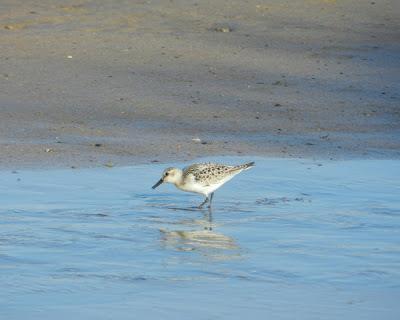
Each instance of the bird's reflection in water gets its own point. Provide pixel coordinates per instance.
(204, 239)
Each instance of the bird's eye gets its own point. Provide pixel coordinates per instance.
(166, 173)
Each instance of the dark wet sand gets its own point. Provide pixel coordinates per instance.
(89, 83)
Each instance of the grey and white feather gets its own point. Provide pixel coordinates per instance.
(202, 178)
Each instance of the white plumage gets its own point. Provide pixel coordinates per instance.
(202, 178)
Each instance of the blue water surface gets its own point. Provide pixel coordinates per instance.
(288, 239)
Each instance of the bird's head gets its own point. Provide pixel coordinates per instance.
(170, 175)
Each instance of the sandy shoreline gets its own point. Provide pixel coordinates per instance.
(93, 83)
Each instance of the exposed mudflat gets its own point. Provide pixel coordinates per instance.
(88, 83)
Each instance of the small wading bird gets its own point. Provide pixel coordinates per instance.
(202, 178)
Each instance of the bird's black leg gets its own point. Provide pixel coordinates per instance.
(203, 203)
(211, 197)
(210, 219)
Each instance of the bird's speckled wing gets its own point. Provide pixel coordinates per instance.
(208, 173)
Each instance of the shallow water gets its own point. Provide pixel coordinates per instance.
(289, 239)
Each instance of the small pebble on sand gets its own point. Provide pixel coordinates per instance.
(223, 29)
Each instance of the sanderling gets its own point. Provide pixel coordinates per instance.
(202, 178)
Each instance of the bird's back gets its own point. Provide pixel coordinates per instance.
(208, 174)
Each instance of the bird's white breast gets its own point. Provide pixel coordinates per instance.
(191, 185)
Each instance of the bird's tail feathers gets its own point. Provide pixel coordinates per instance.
(246, 165)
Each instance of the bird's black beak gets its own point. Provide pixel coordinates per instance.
(158, 183)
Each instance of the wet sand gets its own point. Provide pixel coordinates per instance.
(89, 83)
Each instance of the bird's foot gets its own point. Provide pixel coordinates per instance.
(202, 204)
